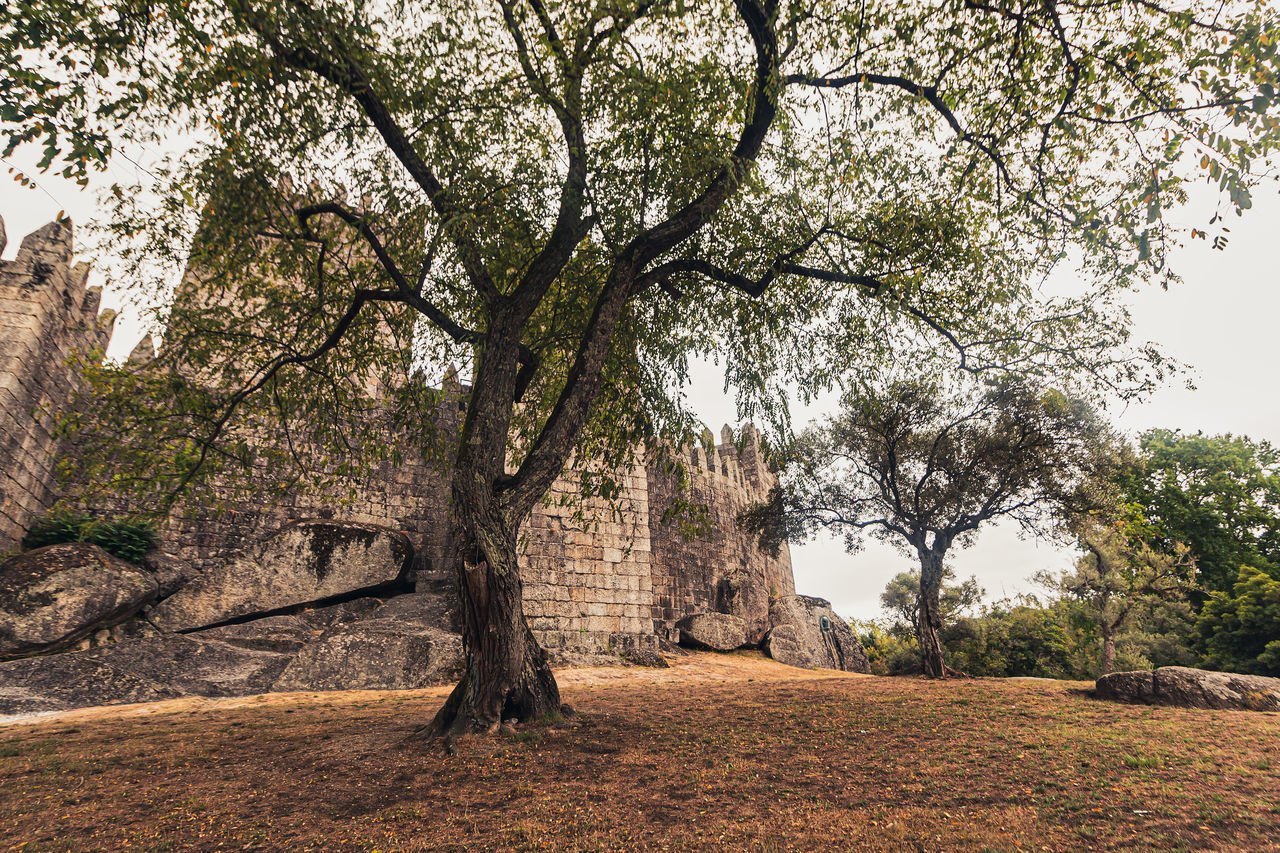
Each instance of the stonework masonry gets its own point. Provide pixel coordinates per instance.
(599, 577)
(47, 316)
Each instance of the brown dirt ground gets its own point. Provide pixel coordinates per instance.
(730, 752)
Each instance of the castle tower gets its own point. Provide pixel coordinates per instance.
(47, 317)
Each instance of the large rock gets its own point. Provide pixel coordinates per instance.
(338, 647)
(288, 633)
(428, 608)
(743, 594)
(53, 596)
(195, 666)
(1192, 688)
(58, 682)
(171, 573)
(303, 562)
(807, 633)
(720, 632)
(1137, 687)
(376, 654)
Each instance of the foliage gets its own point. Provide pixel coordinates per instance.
(901, 599)
(1026, 636)
(1239, 631)
(1120, 577)
(922, 464)
(1218, 495)
(127, 539)
(1010, 640)
(1004, 639)
(951, 157)
(889, 651)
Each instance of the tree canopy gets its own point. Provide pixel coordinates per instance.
(1218, 495)
(1120, 578)
(1239, 630)
(924, 465)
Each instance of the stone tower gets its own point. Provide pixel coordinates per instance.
(47, 317)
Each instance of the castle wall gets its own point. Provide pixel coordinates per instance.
(47, 314)
(599, 576)
(588, 582)
(720, 569)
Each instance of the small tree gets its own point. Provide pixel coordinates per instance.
(901, 597)
(923, 466)
(1119, 578)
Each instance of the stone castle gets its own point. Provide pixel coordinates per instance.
(614, 581)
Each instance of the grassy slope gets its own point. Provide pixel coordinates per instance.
(729, 753)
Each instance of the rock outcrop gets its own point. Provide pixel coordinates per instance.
(171, 573)
(194, 666)
(719, 632)
(362, 644)
(59, 682)
(1183, 687)
(305, 561)
(807, 633)
(376, 654)
(53, 596)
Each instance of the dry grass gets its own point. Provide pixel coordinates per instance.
(721, 752)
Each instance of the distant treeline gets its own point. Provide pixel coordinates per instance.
(1190, 575)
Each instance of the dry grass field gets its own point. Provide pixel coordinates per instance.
(728, 752)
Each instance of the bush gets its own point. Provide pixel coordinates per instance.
(127, 539)
(1240, 631)
(1009, 640)
(889, 652)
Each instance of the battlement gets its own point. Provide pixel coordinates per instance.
(48, 316)
(737, 462)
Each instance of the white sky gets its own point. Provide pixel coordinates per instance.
(1223, 321)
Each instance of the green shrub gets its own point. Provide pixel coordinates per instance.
(127, 539)
(889, 652)
(1240, 631)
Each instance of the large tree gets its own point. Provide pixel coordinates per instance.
(1219, 495)
(924, 466)
(574, 197)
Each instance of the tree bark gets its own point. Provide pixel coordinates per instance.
(1108, 651)
(929, 620)
(508, 675)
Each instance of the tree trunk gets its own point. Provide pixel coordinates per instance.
(929, 620)
(507, 675)
(1108, 651)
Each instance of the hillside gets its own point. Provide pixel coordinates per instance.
(720, 752)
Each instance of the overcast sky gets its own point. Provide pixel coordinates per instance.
(1222, 320)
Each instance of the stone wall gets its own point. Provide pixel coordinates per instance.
(721, 569)
(599, 576)
(47, 315)
(589, 581)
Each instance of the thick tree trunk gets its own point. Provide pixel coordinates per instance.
(929, 621)
(508, 675)
(1108, 651)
